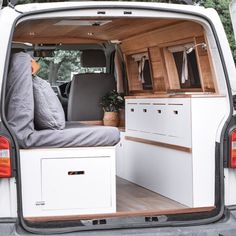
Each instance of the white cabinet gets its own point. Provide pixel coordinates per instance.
(163, 120)
(185, 175)
(68, 181)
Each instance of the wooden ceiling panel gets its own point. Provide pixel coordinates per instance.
(48, 31)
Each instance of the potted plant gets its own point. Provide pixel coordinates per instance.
(111, 104)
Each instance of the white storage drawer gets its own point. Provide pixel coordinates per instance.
(179, 121)
(68, 181)
(166, 120)
(71, 183)
(132, 116)
(159, 113)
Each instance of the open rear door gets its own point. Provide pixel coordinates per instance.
(233, 15)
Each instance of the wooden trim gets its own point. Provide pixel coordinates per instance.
(180, 95)
(57, 40)
(160, 144)
(190, 90)
(121, 214)
(92, 122)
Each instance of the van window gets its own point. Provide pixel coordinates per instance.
(62, 65)
(189, 76)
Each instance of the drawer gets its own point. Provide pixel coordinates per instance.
(76, 183)
(145, 119)
(131, 116)
(179, 121)
(160, 118)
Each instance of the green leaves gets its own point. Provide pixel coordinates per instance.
(112, 101)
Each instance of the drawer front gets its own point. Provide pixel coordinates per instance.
(179, 122)
(132, 116)
(160, 126)
(145, 119)
(76, 183)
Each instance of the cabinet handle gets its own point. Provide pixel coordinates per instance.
(176, 112)
(144, 110)
(80, 172)
(159, 111)
(132, 109)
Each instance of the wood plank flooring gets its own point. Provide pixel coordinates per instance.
(131, 197)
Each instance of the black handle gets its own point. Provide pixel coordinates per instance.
(80, 172)
(176, 112)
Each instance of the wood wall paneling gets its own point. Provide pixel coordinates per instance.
(132, 72)
(206, 71)
(160, 80)
(172, 73)
(162, 35)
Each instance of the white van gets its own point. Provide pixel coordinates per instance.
(169, 169)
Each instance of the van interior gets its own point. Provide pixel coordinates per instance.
(160, 159)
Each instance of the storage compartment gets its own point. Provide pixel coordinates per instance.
(76, 183)
(71, 181)
(162, 120)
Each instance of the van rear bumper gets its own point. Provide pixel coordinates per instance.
(225, 227)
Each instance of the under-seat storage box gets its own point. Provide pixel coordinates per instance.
(68, 181)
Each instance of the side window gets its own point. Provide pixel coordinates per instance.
(187, 68)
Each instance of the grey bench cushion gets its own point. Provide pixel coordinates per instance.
(75, 135)
(20, 115)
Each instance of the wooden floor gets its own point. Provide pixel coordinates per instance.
(131, 197)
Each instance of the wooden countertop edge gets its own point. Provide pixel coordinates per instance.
(160, 144)
(175, 96)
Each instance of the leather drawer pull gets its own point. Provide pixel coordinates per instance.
(144, 110)
(132, 109)
(81, 172)
(176, 112)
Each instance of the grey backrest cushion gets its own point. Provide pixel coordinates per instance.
(19, 97)
(48, 111)
(85, 96)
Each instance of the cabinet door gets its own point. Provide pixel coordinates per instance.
(146, 121)
(159, 111)
(131, 113)
(76, 183)
(179, 122)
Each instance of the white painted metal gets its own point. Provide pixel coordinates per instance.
(185, 177)
(8, 202)
(230, 189)
(48, 190)
(8, 15)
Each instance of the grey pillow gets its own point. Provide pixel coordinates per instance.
(48, 111)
